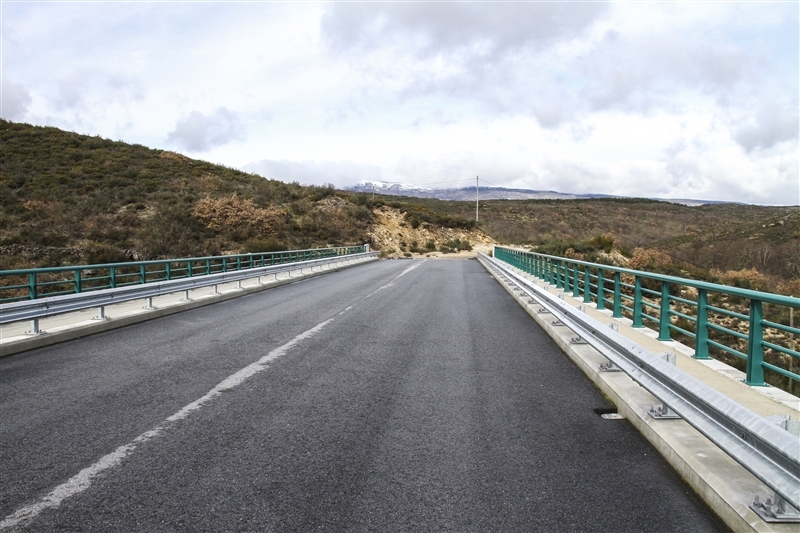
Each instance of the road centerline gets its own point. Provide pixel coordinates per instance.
(83, 479)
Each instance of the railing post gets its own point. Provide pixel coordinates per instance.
(224, 264)
(189, 271)
(601, 289)
(112, 277)
(587, 284)
(167, 270)
(663, 320)
(77, 276)
(32, 286)
(637, 303)
(142, 275)
(617, 295)
(755, 350)
(559, 274)
(576, 281)
(701, 328)
(208, 267)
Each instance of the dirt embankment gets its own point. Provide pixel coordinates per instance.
(394, 236)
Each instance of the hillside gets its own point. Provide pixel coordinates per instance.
(70, 198)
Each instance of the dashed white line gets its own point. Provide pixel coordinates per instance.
(83, 479)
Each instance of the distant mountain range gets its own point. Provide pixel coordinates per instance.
(491, 193)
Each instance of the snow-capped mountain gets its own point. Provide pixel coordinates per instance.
(486, 193)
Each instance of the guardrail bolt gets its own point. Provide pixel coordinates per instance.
(775, 510)
(662, 412)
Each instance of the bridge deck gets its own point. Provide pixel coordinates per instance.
(397, 396)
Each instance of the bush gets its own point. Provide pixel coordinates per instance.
(259, 245)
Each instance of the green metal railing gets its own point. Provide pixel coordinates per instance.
(715, 318)
(29, 284)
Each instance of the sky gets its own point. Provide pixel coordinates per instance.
(643, 99)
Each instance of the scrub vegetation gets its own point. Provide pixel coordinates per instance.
(70, 198)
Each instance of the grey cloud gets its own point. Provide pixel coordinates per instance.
(772, 124)
(478, 51)
(198, 132)
(341, 173)
(15, 100)
(636, 75)
(487, 28)
(89, 88)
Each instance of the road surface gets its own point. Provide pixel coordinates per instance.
(393, 396)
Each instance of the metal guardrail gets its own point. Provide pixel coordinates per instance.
(30, 284)
(43, 307)
(698, 310)
(769, 452)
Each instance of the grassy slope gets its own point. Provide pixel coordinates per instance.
(62, 191)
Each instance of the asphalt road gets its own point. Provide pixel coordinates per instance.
(393, 396)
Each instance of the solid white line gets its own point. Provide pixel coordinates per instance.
(83, 479)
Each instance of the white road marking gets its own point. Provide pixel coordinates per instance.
(401, 274)
(83, 479)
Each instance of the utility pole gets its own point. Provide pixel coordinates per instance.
(477, 193)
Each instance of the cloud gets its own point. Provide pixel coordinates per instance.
(483, 52)
(342, 173)
(772, 123)
(15, 100)
(474, 29)
(198, 132)
(85, 88)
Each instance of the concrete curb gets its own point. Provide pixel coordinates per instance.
(719, 480)
(90, 327)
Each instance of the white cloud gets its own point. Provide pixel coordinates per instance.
(14, 101)
(199, 133)
(639, 99)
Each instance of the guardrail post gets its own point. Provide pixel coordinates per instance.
(77, 276)
(35, 328)
(637, 303)
(617, 296)
(701, 333)
(601, 290)
(663, 320)
(755, 350)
